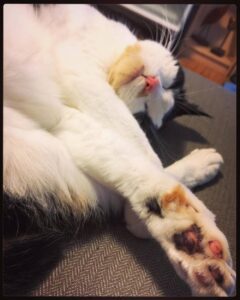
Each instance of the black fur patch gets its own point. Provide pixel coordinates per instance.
(26, 216)
(28, 259)
(23, 216)
(182, 106)
(154, 207)
(34, 239)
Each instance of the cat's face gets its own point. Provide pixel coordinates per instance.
(149, 80)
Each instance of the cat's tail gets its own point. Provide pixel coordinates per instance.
(34, 240)
(28, 259)
(31, 246)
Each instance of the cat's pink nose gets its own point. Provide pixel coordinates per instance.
(151, 83)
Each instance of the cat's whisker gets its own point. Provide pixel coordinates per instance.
(156, 28)
(183, 47)
(184, 107)
(178, 40)
(180, 52)
(160, 34)
(185, 39)
(168, 45)
(167, 33)
(149, 29)
(170, 40)
(164, 36)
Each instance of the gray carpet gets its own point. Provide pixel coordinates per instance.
(112, 262)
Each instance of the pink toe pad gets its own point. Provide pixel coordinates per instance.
(216, 248)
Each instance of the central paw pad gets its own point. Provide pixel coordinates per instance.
(189, 240)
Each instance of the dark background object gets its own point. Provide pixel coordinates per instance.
(199, 58)
(234, 78)
(145, 28)
(219, 50)
(211, 18)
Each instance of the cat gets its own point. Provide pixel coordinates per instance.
(73, 80)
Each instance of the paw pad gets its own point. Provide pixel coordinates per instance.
(216, 248)
(189, 240)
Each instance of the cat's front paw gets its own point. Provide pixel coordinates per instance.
(197, 249)
(206, 277)
(201, 260)
(200, 166)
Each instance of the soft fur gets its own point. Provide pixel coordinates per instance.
(72, 80)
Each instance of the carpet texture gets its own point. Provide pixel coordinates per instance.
(112, 262)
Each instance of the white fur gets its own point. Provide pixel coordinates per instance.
(197, 168)
(66, 131)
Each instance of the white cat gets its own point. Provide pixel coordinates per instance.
(72, 80)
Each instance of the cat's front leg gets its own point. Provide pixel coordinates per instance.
(172, 214)
(197, 168)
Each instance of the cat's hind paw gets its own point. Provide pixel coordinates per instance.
(197, 168)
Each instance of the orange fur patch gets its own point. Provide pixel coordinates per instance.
(126, 68)
(177, 196)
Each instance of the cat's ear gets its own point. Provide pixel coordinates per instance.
(128, 66)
